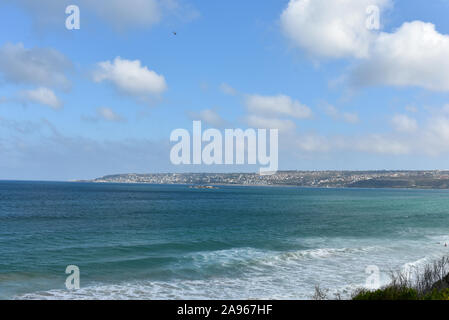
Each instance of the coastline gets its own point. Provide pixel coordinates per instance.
(250, 185)
(432, 179)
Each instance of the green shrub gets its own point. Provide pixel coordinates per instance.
(428, 283)
(437, 295)
(388, 293)
(391, 293)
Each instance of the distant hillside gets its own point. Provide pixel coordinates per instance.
(321, 179)
(412, 182)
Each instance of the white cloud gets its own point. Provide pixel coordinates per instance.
(378, 143)
(436, 135)
(331, 111)
(108, 114)
(141, 13)
(208, 116)
(370, 143)
(348, 117)
(130, 77)
(433, 138)
(312, 143)
(411, 109)
(259, 122)
(429, 139)
(118, 13)
(333, 29)
(43, 96)
(37, 66)
(414, 55)
(445, 108)
(280, 105)
(404, 123)
(227, 89)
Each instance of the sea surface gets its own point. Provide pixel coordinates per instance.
(135, 241)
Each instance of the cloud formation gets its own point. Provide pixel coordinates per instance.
(415, 54)
(38, 149)
(208, 116)
(330, 29)
(130, 77)
(280, 105)
(120, 14)
(136, 13)
(260, 122)
(109, 115)
(37, 66)
(42, 96)
(103, 114)
(404, 123)
(227, 89)
(431, 138)
(348, 117)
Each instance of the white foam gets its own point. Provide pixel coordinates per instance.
(248, 273)
(269, 275)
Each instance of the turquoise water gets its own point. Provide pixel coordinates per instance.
(171, 242)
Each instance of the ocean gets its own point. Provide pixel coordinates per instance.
(136, 241)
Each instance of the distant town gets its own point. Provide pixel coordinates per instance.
(432, 179)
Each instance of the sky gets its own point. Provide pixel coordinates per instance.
(104, 98)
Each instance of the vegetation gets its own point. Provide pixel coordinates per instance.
(428, 283)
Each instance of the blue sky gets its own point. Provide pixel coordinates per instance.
(371, 99)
